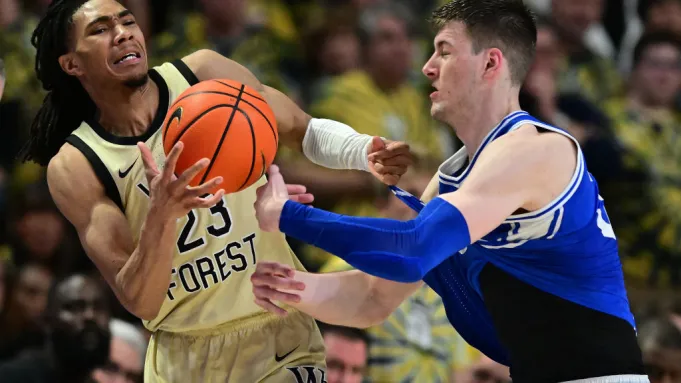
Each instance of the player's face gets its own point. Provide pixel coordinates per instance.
(453, 70)
(107, 45)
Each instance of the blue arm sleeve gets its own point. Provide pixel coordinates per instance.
(402, 251)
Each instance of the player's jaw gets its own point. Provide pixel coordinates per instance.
(129, 65)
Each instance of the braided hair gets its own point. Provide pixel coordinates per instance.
(67, 103)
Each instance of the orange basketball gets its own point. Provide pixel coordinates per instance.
(227, 122)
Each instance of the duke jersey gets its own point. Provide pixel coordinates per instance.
(216, 249)
(548, 280)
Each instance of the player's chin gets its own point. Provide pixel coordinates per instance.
(437, 110)
(135, 81)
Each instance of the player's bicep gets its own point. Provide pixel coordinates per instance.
(500, 183)
(389, 295)
(208, 65)
(101, 226)
(525, 170)
(292, 121)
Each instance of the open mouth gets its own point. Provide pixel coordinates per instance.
(128, 57)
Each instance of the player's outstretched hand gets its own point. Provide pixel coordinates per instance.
(173, 194)
(271, 199)
(388, 160)
(268, 280)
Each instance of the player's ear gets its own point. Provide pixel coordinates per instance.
(69, 64)
(493, 60)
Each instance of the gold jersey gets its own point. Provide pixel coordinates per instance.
(217, 248)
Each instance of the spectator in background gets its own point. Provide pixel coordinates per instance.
(648, 128)
(22, 324)
(571, 111)
(660, 342)
(223, 26)
(654, 16)
(39, 233)
(581, 71)
(346, 353)
(331, 48)
(126, 359)
(78, 336)
(378, 99)
(416, 342)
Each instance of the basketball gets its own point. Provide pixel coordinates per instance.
(227, 122)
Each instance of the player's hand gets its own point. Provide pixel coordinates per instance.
(270, 201)
(173, 194)
(268, 280)
(388, 160)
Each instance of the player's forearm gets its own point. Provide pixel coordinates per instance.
(145, 277)
(328, 184)
(344, 299)
(390, 249)
(327, 143)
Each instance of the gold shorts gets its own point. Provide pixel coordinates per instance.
(264, 349)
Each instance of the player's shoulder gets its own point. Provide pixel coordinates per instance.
(532, 151)
(533, 143)
(68, 168)
(197, 59)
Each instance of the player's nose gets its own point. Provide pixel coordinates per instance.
(123, 34)
(429, 69)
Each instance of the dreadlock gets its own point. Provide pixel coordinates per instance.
(67, 103)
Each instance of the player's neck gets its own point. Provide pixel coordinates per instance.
(127, 112)
(483, 116)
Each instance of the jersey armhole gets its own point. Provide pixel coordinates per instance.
(185, 71)
(99, 168)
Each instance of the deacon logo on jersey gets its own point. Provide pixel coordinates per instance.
(308, 374)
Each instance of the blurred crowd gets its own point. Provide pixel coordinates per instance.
(608, 71)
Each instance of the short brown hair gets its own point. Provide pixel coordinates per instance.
(505, 24)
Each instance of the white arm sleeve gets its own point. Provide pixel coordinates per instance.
(335, 145)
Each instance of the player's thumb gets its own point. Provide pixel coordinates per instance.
(277, 183)
(377, 144)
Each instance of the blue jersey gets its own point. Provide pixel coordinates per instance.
(567, 249)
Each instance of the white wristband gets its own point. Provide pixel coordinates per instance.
(335, 145)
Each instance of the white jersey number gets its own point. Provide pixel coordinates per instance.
(603, 221)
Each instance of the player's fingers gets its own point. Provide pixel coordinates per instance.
(171, 160)
(295, 189)
(265, 292)
(276, 180)
(392, 150)
(260, 190)
(401, 160)
(204, 188)
(264, 268)
(208, 202)
(389, 179)
(302, 198)
(384, 169)
(271, 307)
(147, 157)
(278, 282)
(188, 175)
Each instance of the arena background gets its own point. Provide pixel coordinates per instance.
(609, 71)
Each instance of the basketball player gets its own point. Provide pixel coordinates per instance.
(178, 260)
(518, 242)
